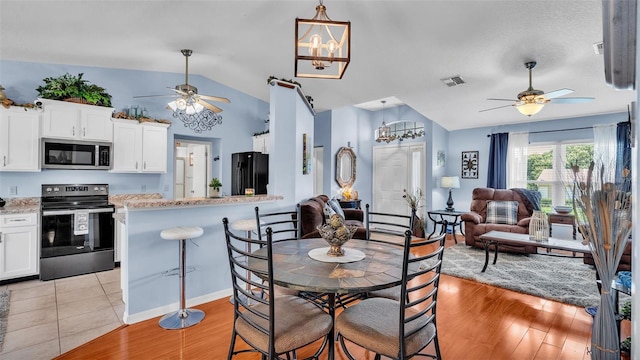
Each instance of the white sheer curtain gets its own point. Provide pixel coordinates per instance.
(517, 160)
(604, 149)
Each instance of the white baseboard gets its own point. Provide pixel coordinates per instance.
(159, 311)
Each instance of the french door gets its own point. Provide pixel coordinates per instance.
(397, 168)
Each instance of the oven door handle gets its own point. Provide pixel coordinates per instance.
(72, 212)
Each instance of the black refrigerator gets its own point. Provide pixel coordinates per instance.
(249, 170)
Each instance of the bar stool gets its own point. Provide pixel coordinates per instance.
(247, 225)
(183, 317)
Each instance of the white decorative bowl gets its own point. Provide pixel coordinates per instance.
(563, 209)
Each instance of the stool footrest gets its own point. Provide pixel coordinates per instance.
(176, 271)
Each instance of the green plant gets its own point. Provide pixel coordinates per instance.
(626, 310)
(70, 86)
(215, 184)
(625, 345)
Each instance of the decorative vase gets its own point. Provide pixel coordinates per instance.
(539, 226)
(213, 192)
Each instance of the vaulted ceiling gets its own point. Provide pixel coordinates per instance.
(399, 48)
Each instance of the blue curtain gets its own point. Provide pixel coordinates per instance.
(623, 151)
(497, 172)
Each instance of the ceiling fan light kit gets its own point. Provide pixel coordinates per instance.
(190, 107)
(322, 46)
(531, 101)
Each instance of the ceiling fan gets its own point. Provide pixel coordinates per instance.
(187, 95)
(531, 101)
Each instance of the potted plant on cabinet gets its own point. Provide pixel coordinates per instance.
(73, 88)
(214, 187)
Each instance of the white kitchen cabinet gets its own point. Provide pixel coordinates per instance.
(139, 147)
(65, 120)
(19, 139)
(120, 235)
(261, 143)
(19, 255)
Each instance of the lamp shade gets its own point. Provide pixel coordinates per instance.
(450, 182)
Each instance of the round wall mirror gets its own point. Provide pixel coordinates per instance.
(345, 167)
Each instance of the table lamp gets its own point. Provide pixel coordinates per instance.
(450, 182)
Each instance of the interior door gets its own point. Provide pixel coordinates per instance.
(199, 170)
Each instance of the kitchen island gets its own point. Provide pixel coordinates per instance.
(149, 286)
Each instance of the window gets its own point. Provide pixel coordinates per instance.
(548, 170)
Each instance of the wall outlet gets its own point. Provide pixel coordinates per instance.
(13, 190)
(143, 188)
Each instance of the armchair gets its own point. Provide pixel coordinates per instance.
(476, 219)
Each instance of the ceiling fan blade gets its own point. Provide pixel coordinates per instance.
(146, 96)
(213, 108)
(499, 107)
(514, 100)
(178, 91)
(573, 100)
(215, 98)
(557, 93)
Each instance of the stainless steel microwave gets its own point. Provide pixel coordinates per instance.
(75, 154)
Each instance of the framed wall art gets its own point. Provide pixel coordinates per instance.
(470, 164)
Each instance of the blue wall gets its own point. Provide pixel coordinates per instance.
(241, 119)
(476, 140)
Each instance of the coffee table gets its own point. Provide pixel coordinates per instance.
(496, 238)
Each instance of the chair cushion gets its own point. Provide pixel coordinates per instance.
(335, 206)
(298, 322)
(373, 324)
(502, 212)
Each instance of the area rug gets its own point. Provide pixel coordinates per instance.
(4, 314)
(563, 279)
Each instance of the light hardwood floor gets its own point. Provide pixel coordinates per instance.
(475, 321)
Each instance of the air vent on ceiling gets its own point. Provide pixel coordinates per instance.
(453, 81)
(598, 48)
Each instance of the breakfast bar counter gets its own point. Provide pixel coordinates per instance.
(149, 288)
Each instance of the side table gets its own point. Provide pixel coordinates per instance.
(350, 204)
(565, 219)
(440, 219)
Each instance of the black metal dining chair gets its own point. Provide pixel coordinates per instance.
(272, 326)
(387, 228)
(400, 329)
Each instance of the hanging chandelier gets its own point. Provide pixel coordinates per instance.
(323, 46)
(383, 132)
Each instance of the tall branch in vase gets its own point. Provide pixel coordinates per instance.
(417, 221)
(603, 212)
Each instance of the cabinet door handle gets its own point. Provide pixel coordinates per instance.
(4, 160)
(144, 167)
(136, 165)
(73, 130)
(84, 131)
(0, 237)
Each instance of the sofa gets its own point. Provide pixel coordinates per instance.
(625, 260)
(312, 216)
(475, 221)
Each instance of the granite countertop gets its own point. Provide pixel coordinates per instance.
(168, 203)
(21, 206)
(117, 200)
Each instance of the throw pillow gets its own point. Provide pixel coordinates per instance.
(502, 212)
(335, 206)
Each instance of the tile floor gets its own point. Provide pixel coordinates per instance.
(48, 318)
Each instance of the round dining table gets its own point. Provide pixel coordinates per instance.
(293, 268)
